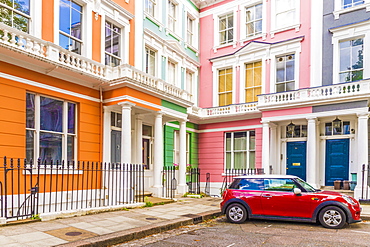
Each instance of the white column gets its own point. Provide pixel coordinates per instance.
(273, 152)
(182, 188)
(362, 153)
(311, 169)
(158, 154)
(126, 132)
(139, 139)
(266, 147)
(106, 135)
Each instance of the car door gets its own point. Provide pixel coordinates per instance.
(249, 190)
(278, 199)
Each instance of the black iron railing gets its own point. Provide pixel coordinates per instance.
(169, 181)
(365, 182)
(194, 180)
(231, 173)
(28, 189)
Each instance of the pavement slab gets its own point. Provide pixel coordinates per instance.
(108, 228)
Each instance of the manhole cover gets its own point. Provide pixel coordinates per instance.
(151, 218)
(73, 233)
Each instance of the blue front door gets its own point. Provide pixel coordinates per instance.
(336, 161)
(296, 159)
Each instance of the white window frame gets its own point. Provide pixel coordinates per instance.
(190, 30)
(154, 2)
(37, 129)
(233, 84)
(155, 61)
(338, 10)
(294, 25)
(121, 50)
(175, 19)
(189, 82)
(243, 16)
(290, 47)
(171, 78)
(121, 20)
(86, 25)
(176, 147)
(219, 65)
(247, 150)
(243, 78)
(216, 37)
(357, 30)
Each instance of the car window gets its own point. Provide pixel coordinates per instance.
(279, 184)
(247, 184)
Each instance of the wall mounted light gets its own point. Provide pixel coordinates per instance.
(290, 129)
(337, 123)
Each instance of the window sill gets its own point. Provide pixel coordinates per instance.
(189, 46)
(250, 38)
(296, 27)
(339, 12)
(215, 48)
(153, 20)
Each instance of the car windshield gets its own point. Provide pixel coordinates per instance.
(305, 185)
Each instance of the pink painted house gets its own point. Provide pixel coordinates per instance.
(253, 55)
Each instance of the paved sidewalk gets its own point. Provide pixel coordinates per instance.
(115, 227)
(110, 227)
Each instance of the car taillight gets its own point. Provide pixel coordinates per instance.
(224, 193)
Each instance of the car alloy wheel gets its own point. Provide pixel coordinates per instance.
(236, 213)
(332, 217)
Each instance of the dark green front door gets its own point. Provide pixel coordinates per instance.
(336, 161)
(296, 159)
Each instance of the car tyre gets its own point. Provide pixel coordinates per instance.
(332, 217)
(236, 213)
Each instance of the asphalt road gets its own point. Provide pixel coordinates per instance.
(219, 232)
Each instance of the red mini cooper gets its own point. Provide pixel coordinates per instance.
(285, 197)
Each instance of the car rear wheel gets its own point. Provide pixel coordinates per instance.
(236, 213)
(332, 217)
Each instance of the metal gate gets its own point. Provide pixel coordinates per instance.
(169, 182)
(19, 190)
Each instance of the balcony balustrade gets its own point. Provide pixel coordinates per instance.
(27, 44)
(316, 94)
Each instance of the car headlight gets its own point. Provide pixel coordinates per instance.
(349, 199)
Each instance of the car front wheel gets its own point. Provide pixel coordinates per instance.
(332, 217)
(236, 213)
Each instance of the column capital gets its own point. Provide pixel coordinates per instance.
(363, 115)
(311, 119)
(126, 104)
(159, 114)
(139, 116)
(265, 122)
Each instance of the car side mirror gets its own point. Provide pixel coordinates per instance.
(297, 191)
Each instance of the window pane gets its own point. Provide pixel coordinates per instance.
(50, 147)
(240, 160)
(64, 16)
(328, 129)
(71, 118)
(228, 160)
(240, 141)
(252, 159)
(30, 110)
(228, 141)
(252, 140)
(30, 144)
(70, 148)
(346, 128)
(51, 114)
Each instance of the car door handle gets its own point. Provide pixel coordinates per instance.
(267, 196)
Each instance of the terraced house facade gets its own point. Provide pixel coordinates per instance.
(280, 85)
